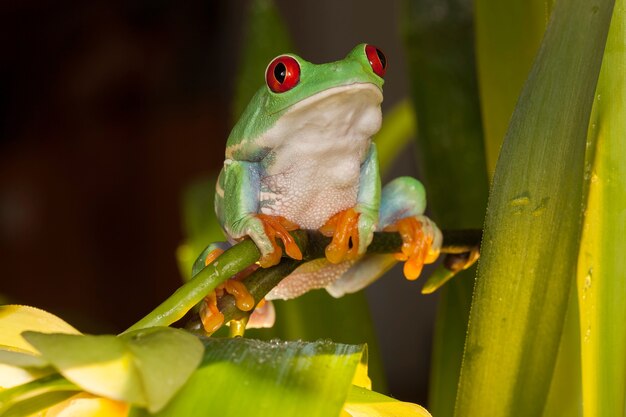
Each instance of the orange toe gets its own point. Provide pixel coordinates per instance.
(211, 317)
(213, 256)
(277, 227)
(243, 299)
(415, 246)
(343, 227)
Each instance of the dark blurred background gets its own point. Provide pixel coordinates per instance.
(109, 109)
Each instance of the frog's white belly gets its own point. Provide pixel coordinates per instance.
(317, 149)
(309, 191)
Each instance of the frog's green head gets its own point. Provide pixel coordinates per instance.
(339, 95)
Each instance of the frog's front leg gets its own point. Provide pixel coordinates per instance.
(240, 217)
(353, 229)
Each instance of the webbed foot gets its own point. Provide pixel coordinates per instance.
(343, 227)
(421, 242)
(277, 227)
(210, 315)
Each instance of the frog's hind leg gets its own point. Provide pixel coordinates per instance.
(312, 275)
(210, 315)
(338, 279)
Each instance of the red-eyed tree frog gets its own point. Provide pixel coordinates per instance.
(302, 156)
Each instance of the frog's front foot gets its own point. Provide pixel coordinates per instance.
(348, 243)
(421, 243)
(277, 227)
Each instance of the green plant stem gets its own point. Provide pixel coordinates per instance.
(242, 255)
(231, 262)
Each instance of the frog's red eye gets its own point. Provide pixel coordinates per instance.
(377, 60)
(282, 74)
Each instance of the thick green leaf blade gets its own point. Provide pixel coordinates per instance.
(317, 315)
(440, 53)
(564, 397)
(508, 35)
(602, 264)
(245, 377)
(144, 367)
(533, 223)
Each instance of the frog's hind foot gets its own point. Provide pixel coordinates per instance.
(421, 243)
(210, 315)
(278, 227)
(343, 227)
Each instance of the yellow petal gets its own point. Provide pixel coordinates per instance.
(364, 403)
(15, 319)
(86, 405)
(360, 377)
(11, 376)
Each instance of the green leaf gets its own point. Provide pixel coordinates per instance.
(440, 54)
(508, 34)
(532, 228)
(144, 367)
(21, 359)
(564, 397)
(343, 320)
(363, 402)
(438, 278)
(602, 264)
(241, 377)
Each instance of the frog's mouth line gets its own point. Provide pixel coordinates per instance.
(353, 88)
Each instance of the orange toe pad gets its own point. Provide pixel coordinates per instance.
(343, 227)
(415, 245)
(210, 315)
(277, 227)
